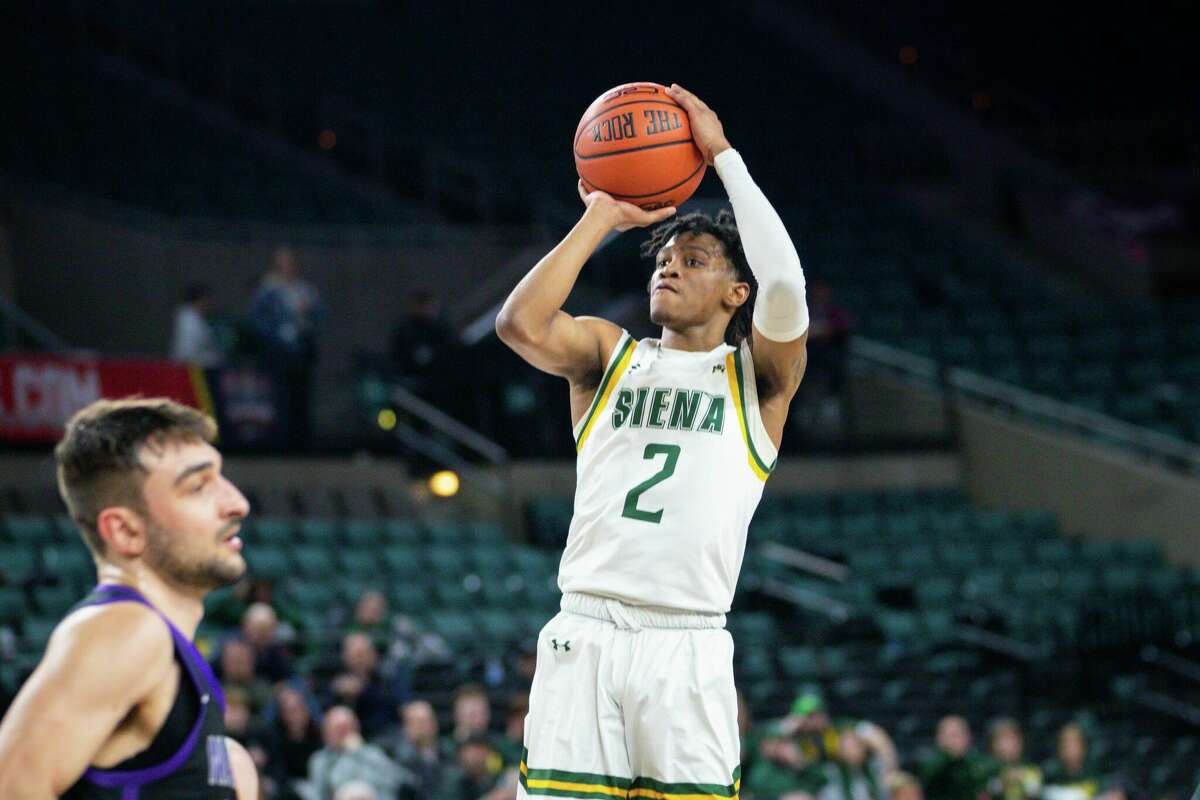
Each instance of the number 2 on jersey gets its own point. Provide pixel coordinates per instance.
(671, 451)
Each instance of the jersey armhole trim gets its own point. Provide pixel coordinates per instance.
(737, 387)
(622, 354)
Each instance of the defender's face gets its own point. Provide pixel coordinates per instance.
(690, 280)
(195, 514)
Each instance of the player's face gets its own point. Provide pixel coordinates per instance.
(690, 282)
(194, 515)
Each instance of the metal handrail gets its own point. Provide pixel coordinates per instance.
(39, 333)
(449, 426)
(959, 383)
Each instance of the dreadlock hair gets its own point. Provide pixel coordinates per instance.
(724, 229)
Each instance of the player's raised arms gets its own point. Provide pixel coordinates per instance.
(532, 321)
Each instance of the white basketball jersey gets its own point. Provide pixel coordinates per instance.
(672, 458)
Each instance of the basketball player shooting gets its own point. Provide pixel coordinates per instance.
(633, 694)
(122, 704)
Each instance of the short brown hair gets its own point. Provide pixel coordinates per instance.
(97, 460)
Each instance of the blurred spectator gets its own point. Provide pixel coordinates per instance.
(864, 760)
(953, 771)
(790, 758)
(292, 738)
(192, 337)
(511, 745)
(1011, 778)
(478, 774)
(903, 786)
(472, 713)
(416, 747)
(346, 758)
(423, 343)
(362, 686)
(237, 672)
(371, 617)
(356, 790)
(286, 314)
(1069, 775)
(260, 629)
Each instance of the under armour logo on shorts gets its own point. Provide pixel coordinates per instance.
(566, 645)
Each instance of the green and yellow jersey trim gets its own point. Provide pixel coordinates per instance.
(737, 387)
(617, 365)
(561, 783)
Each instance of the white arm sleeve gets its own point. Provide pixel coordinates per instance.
(781, 311)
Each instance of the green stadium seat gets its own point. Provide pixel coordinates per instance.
(798, 662)
(1100, 551)
(451, 594)
(363, 532)
(500, 592)
(1121, 578)
(936, 592)
(408, 598)
(1035, 584)
(1007, 555)
(457, 627)
(1146, 552)
(542, 592)
(905, 527)
(65, 529)
(36, 632)
(862, 527)
(361, 562)
(533, 561)
(271, 530)
(18, 563)
(403, 560)
(1055, 553)
(13, 607)
(318, 531)
(872, 563)
(984, 584)
(401, 531)
(500, 626)
(897, 625)
(918, 559)
(267, 561)
(447, 560)
(1076, 584)
(312, 560)
(72, 562)
(486, 532)
(447, 532)
(54, 601)
(29, 530)
(961, 557)
(937, 625)
(309, 596)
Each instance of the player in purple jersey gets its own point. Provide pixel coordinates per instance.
(122, 705)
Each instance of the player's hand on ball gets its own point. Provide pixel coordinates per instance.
(620, 215)
(707, 131)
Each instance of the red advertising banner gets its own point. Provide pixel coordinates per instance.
(39, 392)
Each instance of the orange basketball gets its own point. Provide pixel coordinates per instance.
(635, 143)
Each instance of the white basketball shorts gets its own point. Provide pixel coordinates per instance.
(632, 702)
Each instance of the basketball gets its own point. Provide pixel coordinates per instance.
(635, 143)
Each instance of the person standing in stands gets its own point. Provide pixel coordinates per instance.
(192, 336)
(286, 316)
(953, 771)
(122, 704)
(1011, 777)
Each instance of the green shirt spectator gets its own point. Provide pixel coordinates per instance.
(954, 772)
